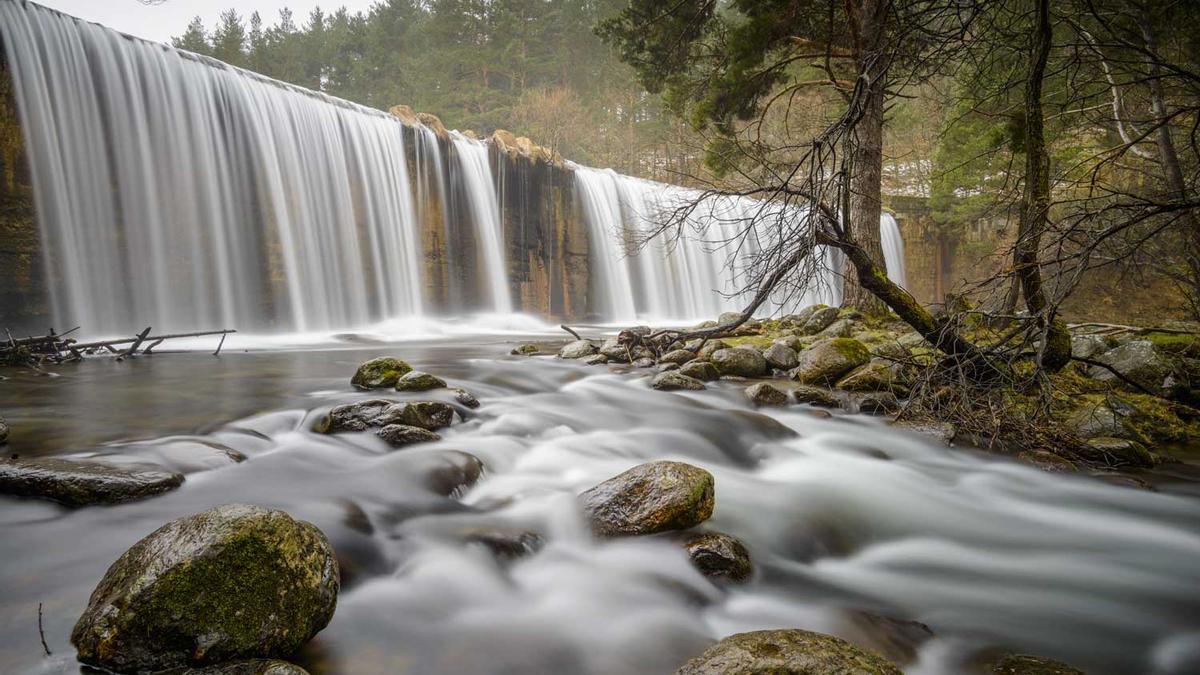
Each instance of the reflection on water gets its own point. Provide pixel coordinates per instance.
(856, 529)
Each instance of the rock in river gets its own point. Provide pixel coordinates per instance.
(781, 356)
(465, 397)
(524, 350)
(744, 362)
(237, 581)
(364, 415)
(78, 483)
(828, 360)
(379, 373)
(815, 396)
(794, 652)
(3, 431)
(765, 394)
(577, 350)
(649, 498)
(719, 555)
(673, 380)
(415, 380)
(251, 667)
(1116, 452)
(399, 435)
(700, 370)
(677, 356)
(1025, 664)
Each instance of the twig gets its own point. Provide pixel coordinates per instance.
(42, 633)
(219, 345)
(568, 329)
(1114, 371)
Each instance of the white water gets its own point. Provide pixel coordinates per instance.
(477, 179)
(893, 248)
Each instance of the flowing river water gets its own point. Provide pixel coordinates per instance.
(856, 529)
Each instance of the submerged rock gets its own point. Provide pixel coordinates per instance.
(1024, 664)
(719, 555)
(700, 370)
(252, 667)
(1116, 452)
(765, 394)
(740, 361)
(234, 582)
(673, 380)
(78, 483)
(677, 356)
(650, 498)
(399, 435)
(455, 471)
(525, 350)
(465, 397)
(506, 543)
(1047, 461)
(415, 380)
(577, 350)
(781, 356)
(815, 396)
(787, 651)
(827, 361)
(379, 373)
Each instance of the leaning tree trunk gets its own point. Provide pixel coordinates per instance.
(867, 152)
(1035, 203)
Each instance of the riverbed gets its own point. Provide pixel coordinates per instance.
(935, 555)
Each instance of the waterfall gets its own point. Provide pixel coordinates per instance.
(893, 248)
(612, 288)
(476, 174)
(177, 191)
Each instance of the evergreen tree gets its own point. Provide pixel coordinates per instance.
(194, 39)
(229, 39)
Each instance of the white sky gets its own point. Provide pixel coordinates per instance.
(161, 22)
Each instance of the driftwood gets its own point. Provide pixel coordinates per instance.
(56, 348)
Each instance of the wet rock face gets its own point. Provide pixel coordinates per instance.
(379, 373)
(577, 350)
(415, 380)
(234, 582)
(740, 362)
(650, 498)
(827, 361)
(673, 380)
(1025, 664)
(720, 556)
(700, 370)
(794, 652)
(765, 394)
(399, 435)
(76, 483)
(375, 413)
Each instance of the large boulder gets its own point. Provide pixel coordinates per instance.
(704, 371)
(815, 396)
(399, 435)
(379, 373)
(875, 375)
(839, 328)
(819, 320)
(781, 356)
(80, 483)
(719, 556)
(416, 380)
(740, 361)
(711, 347)
(673, 380)
(577, 350)
(1088, 345)
(677, 356)
(234, 582)
(827, 361)
(765, 394)
(650, 498)
(1137, 360)
(788, 651)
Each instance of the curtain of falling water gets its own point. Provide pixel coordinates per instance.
(893, 248)
(480, 187)
(180, 192)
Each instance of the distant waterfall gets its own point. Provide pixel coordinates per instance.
(167, 184)
(485, 211)
(893, 248)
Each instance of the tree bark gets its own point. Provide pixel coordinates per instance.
(1035, 202)
(870, 19)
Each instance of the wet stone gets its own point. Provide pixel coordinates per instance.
(720, 556)
(78, 483)
(525, 350)
(399, 435)
(416, 380)
(766, 394)
(790, 651)
(595, 360)
(815, 396)
(650, 498)
(379, 373)
(577, 350)
(455, 472)
(251, 667)
(740, 361)
(644, 362)
(677, 356)
(506, 543)
(465, 397)
(1025, 664)
(700, 370)
(675, 381)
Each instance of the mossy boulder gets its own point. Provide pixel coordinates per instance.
(416, 380)
(673, 380)
(840, 328)
(577, 350)
(827, 361)
(1137, 360)
(234, 582)
(793, 342)
(800, 318)
(1047, 461)
(815, 396)
(704, 371)
(677, 356)
(875, 375)
(711, 347)
(820, 320)
(650, 498)
(719, 556)
(781, 356)
(377, 413)
(740, 361)
(1025, 664)
(81, 483)
(878, 403)
(379, 373)
(594, 360)
(765, 394)
(525, 350)
(1116, 453)
(787, 651)
(400, 435)
(1097, 419)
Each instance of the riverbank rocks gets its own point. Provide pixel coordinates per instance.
(878, 403)
(781, 356)
(819, 320)
(3, 431)
(525, 350)
(465, 397)
(1136, 360)
(379, 373)
(78, 483)
(1025, 664)
(1116, 453)
(791, 651)
(399, 435)
(415, 380)
(875, 375)
(650, 498)
(827, 361)
(815, 396)
(674, 380)
(704, 371)
(739, 361)
(577, 350)
(839, 329)
(711, 347)
(765, 394)
(677, 356)
(719, 555)
(595, 360)
(430, 415)
(237, 581)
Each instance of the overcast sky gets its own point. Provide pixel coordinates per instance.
(161, 22)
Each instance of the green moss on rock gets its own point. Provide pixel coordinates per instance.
(379, 373)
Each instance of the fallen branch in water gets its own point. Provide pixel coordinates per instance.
(42, 633)
(569, 330)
